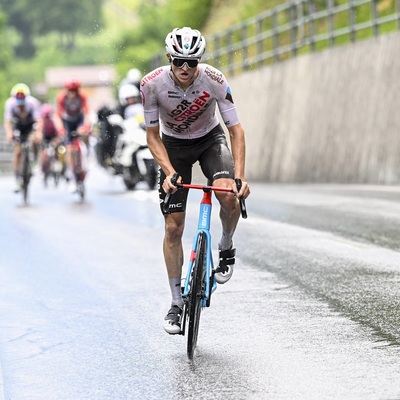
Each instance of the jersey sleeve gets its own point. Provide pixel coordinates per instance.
(60, 104)
(35, 109)
(224, 97)
(149, 92)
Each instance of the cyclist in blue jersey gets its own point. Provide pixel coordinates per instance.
(179, 102)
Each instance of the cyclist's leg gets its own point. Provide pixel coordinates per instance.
(172, 244)
(229, 213)
(17, 166)
(174, 226)
(217, 165)
(69, 168)
(173, 253)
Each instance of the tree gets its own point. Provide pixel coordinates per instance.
(66, 17)
(5, 60)
(156, 20)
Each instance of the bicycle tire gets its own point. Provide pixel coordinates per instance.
(81, 190)
(26, 174)
(196, 293)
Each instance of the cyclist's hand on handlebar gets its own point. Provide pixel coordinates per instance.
(84, 129)
(243, 191)
(170, 181)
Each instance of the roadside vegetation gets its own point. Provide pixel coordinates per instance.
(125, 33)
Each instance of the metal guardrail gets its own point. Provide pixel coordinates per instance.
(6, 152)
(297, 27)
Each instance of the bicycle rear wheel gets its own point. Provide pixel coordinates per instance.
(197, 288)
(79, 173)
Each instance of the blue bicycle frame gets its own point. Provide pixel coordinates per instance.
(203, 226)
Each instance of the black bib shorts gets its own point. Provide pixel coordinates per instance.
(212, 153)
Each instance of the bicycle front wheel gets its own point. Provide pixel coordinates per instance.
(25, 175)
(196, 293)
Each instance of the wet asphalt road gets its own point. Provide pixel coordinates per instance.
(312, 311)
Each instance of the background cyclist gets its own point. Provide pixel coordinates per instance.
(72, 114)
(50, 133)
(180, 99)
(21, 115)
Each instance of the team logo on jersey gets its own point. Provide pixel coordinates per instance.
(228, 95)
(214, 75)
(186, 112)
(151, 76)
(174, 95)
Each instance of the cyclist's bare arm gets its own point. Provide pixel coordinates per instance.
(238, 148)
(9, 130)
(160, 154)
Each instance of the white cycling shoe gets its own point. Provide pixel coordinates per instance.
(172, 321)
(224, 271)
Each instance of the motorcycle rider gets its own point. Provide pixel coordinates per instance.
(133, 77)
(130, 102)
(21, 114)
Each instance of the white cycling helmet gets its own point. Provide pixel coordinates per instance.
(127, 91)
(185, 42)
(133, 76)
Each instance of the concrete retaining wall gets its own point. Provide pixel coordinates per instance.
(331, 116)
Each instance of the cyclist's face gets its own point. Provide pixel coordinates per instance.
(72, 92)
(184, 74)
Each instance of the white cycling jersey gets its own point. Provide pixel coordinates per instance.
(187, 114)
(31, 105)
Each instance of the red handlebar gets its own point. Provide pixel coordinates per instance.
(204, 187)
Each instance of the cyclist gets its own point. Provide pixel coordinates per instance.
(72, 114)
(49, 132)
(21, 114)
(180, 100)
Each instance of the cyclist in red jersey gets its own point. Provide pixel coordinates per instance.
(180, 100)
(72, 114)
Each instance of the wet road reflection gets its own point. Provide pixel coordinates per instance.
(310, 313)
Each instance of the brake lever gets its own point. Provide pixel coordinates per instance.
(167, 199)
(242, 202)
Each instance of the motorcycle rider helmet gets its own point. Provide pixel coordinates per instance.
(72, 84)
(185, 43)
(133, 76)
(19, 92)
(128, 91)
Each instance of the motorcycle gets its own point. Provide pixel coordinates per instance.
(122, 150)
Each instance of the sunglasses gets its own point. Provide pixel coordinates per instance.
(180, 62)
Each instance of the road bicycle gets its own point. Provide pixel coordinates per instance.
(78, 163)
(199, 283)
(25, 170)
(53, 161)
